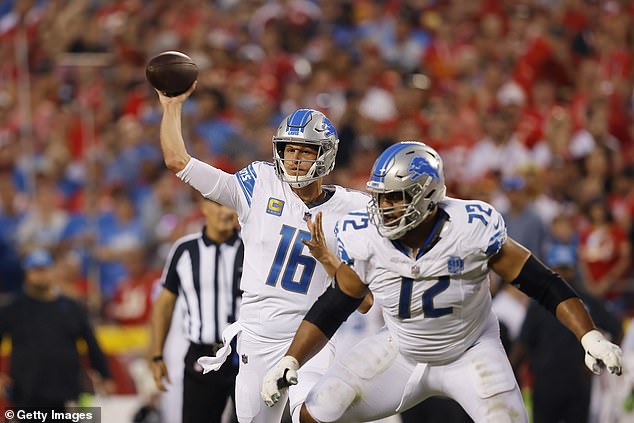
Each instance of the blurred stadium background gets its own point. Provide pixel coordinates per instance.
(530, 103)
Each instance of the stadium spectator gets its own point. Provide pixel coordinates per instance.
(131, 303)
(117, 231)
(44, 328)
(605, 254)
(499, 152)
(44, 224)
(205, 268)
(555, 146)
(523, 224)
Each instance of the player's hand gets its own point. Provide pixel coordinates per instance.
(179, 99)
(279, 378)
(317, 242)
(600, 353)
(159, 372)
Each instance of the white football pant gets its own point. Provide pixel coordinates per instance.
(374, 381)
(256, 359)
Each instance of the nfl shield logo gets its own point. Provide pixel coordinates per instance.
(455, 264)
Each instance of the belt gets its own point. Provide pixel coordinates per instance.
(204, 349)
(214, 361)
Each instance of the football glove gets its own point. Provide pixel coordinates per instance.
(279, 378)
(600, 353)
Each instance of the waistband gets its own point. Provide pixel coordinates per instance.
(205, 349)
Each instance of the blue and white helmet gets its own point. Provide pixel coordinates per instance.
(313, 128)
(415, 170)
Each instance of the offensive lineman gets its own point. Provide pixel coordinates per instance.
(427, 266)
(280, 280)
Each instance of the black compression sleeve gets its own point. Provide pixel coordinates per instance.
(541, 283)
(331, 310)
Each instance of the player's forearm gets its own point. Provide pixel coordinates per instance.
(308, 341)
(330, 262)
(172, 143)
(573, 315)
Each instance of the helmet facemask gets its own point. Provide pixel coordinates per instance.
(413, 208)
(411, 175)
(318, 168)
(305, 127)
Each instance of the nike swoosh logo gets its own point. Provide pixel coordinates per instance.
(497, 224)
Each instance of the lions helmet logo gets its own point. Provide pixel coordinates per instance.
(327, 128)
(419, 167)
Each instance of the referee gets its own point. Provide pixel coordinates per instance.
(205, 268)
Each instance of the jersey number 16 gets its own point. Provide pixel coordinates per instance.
(292, 240)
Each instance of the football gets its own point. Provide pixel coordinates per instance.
(171, 72)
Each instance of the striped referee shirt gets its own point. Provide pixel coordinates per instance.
(208, 276)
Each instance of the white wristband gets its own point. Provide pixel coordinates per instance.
(591, 337)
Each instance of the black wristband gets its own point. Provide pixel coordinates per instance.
(157, 358)
(331, 309)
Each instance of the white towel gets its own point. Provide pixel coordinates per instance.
(210, 363)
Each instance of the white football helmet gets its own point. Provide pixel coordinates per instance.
(313, 128)
(416, 171)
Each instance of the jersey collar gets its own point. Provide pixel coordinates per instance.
(432, 238)
(208, 241)
(328, 191)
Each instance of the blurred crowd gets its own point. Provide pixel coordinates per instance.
(529, 102)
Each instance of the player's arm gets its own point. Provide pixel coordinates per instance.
(515, 264)
(212, 183)
(174, 151)
(327, 314)
(321, 322)
(318, 249)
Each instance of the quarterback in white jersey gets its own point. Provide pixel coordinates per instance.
(280, 279)
(425, 257)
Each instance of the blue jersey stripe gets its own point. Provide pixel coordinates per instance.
(251, 171)
(343, 254)
(244, 190)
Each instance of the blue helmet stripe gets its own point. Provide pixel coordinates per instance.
(384, 159)
(299, 118)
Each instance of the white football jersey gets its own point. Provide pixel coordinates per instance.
(280, 279)
(436, 304)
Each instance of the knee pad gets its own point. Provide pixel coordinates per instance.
(330, 399)
(491, 373)
(371, 356)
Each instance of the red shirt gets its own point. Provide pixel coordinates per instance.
(601, 249)
(132, 300)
